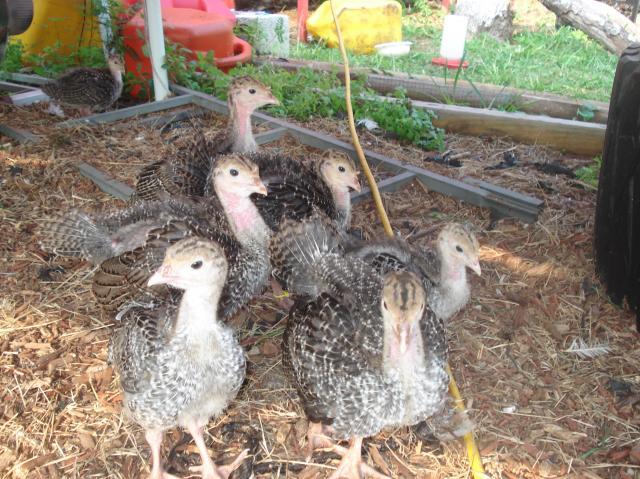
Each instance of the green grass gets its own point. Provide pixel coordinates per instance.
(565, 61)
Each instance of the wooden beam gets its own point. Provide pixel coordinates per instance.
(436, 89)
(567, 135)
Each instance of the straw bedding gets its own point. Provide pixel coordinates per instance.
(540, 411)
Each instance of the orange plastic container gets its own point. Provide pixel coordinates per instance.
(199, 31)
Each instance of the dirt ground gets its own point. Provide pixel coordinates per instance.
(540, 411)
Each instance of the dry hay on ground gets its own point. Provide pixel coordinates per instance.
(540, 410)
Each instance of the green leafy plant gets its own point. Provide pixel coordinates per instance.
(590, 174)
(52, 61)
(407, 123)
(586, 112)
(246, 31)
(12, 61)
(306, 94)
(111, 14)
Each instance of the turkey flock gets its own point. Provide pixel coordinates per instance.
(214, 225)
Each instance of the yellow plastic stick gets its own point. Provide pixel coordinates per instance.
(475, 461)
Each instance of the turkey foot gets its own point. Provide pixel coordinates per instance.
(208, 468)
(351, 465)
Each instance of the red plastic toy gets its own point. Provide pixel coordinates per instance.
(198, 30)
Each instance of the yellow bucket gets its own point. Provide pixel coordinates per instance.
(71, 24)
(364, 23)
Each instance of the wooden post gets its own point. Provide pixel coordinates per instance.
(303, 13)
(155, 40)
(617, 225)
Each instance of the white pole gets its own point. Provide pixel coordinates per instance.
(104, 22)
(155, 40)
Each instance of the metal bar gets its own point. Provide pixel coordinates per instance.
(504, 192)
(269, 135)
(28, 97)
(129, 112)
(23, 136)
(504, 202)
(24, 78)
(159, 121)
(13, 87)
(104, 182)
(385, 186)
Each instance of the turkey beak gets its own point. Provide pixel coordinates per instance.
(259, 186)
(403, 333)
(475, 267)
(271, 99)
(161, 276)
(355, 183)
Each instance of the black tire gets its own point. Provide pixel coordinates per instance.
(617, 225)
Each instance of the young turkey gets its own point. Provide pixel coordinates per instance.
(365, 354)
(91, 89)
(296, 191)
(442, 269)
(186, 172)
(179, 365)
(129, 244)
(241, 232)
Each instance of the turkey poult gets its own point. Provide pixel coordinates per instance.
(129, 244)
(187, 171)
(178, 365)
(366, 353)
(241, 232)
(296, 191)
(442, 270)
(91, 89)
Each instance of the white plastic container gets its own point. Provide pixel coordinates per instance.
(269, 32)
(454, 35)
(393, 49)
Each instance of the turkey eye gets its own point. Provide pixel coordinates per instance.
(233, 172)
(196, 264)
(459, 249)
(252, 91)
(341, 169)
(384, 305)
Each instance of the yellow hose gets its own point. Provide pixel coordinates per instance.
(475, 461)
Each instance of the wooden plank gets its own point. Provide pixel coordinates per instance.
(23, 136)
(105, 182)
(129, 112)
(567, 135)
(436, 89)
(441, 184)
(388, 185)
